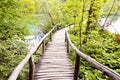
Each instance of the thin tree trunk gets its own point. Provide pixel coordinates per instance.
(51, 19)
(49, 14)
(90, 12)
(80, 24)
(114, 15)
(108, 14)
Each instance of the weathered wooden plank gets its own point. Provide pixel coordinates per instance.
(55, 75)
(54, 78)
(53, 68)
(53, 71)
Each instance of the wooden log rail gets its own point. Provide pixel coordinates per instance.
(109, 72)
(29, 58)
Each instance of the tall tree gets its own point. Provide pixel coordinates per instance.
(51, 11)
(93, 14)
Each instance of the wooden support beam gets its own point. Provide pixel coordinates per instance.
(31, 69)
(65, 37)
(51, 36)
(43, 46)
(68, 48)
(77, 65)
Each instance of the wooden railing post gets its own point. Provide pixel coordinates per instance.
(77, 64)
(51, 36)
(68, 49)
(43, 46)
(65, 37)
(66, 40)
(31, 68)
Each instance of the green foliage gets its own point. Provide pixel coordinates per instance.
(71, 9)
(101, 46)
(15, 15)
(107, 6)
(49, 13)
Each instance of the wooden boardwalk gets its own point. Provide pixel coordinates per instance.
(54, 63)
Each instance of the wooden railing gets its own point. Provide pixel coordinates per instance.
(111, 73)
(29, 58)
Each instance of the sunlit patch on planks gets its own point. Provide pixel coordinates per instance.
(54, 63)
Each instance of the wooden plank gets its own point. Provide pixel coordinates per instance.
(53, 78)
(55, 75)
(53, 70)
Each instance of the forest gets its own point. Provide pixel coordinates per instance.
(91, 33)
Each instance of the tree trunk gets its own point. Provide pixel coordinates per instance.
(90, 12)
(51, 19)
(108, 14)
(81, 24)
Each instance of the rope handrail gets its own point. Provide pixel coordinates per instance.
(111, 73)
(27, 58)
